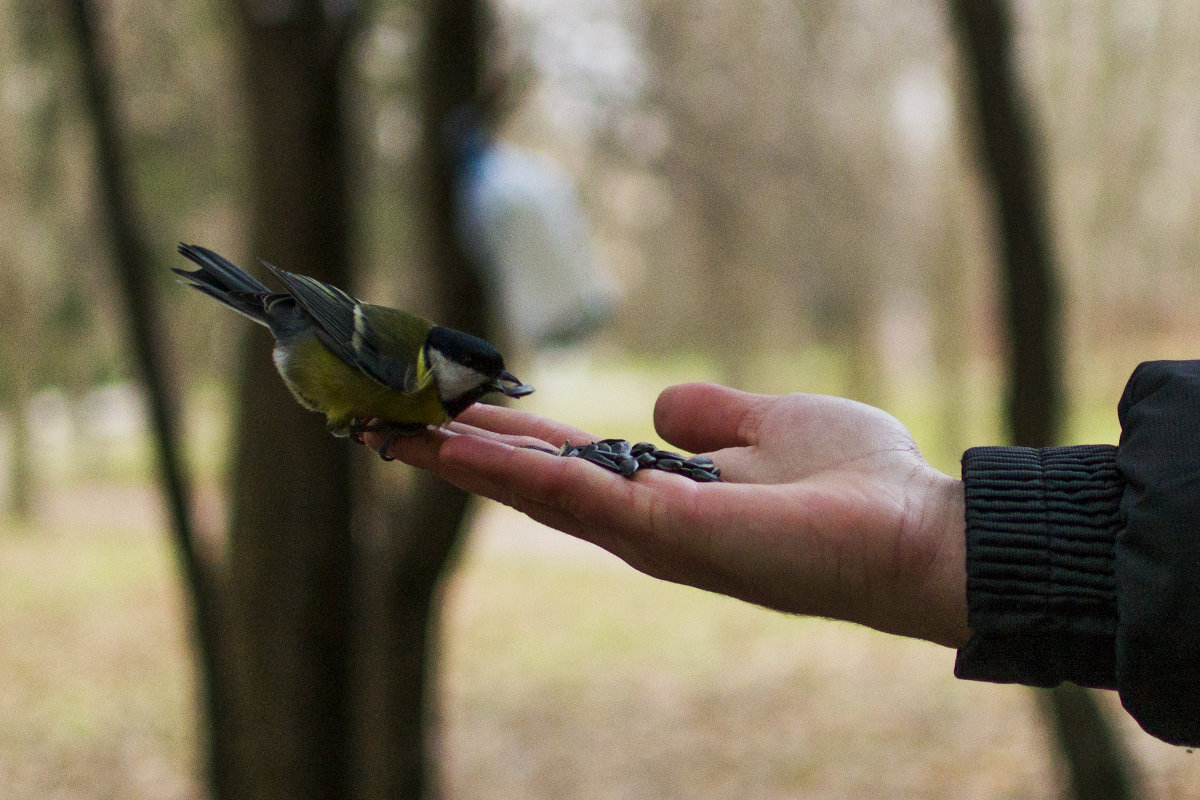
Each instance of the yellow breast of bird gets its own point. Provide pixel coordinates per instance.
(321, 381)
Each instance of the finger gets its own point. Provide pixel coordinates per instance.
(737, 464)
(521, 423)
(659, 523)
(637, 520)
(567, 493)
(703, 417)
(420, 450)
(424, 451)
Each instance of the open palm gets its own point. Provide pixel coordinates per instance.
(827, 507)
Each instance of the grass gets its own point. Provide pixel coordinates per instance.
(610, 684)
(566, 675)
(96, 695)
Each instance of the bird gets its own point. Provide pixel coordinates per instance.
(366, 367)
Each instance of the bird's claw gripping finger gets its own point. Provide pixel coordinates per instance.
(391, 429)
(358, 427)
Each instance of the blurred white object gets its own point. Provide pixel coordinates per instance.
(521, 220)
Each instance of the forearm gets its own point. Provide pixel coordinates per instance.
(1083, 563)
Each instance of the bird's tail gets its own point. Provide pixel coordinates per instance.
(223, 280)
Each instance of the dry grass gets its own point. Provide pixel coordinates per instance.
(567, 675)
(95, 699)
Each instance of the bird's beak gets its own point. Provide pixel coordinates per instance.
(517, 389)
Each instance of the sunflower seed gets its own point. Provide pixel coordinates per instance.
(619, 456)
(618, 446)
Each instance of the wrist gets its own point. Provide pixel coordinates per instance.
(946, 609)
(925, 597)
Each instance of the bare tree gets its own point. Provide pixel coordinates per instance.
(1099, 767)
(131, 264)
(17, 353)
(291, 553)
(279, 663)
(422, 526)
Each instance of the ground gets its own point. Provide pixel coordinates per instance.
(567, 675)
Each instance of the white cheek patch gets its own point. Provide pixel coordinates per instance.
(453, 379)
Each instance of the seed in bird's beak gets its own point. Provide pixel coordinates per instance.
(517, 390)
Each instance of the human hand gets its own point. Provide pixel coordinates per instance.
(826, 506)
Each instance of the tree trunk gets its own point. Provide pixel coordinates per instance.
(18, 354)
(29, 174)
(291, 556)
(131, 264)
(423, 525)
(1015, 179)
(1098, 766)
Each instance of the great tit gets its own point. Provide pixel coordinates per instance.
(365, 367)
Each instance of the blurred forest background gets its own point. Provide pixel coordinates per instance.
(789, 197)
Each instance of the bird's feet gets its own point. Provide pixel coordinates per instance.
(392, 429)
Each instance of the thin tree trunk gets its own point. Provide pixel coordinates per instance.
(1098, 766)
(131, 263)
(291, 554)
(30, 174)
(17, 356)
(1015, 179)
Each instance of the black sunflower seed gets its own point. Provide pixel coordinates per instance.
(623, 458)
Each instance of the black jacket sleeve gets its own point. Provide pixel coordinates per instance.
(1083, 563)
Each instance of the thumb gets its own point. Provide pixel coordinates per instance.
(702, 417)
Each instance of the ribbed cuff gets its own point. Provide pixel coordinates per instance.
(1041, 602)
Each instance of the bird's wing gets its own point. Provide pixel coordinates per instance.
(385, 343)
(388, 343)
(331, 309)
